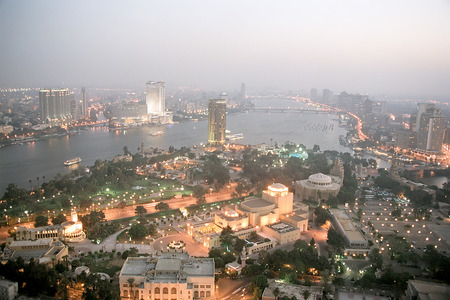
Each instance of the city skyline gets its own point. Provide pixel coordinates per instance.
(383, 47)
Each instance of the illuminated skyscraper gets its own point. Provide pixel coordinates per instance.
(217, 109)
(431, 130)
(83, 103)
(54, 104)
(156, 98)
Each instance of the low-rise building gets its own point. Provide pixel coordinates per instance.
(290, 290)
(282, 232)
(357, 242)
(169, 275)
(318, 188)
(422, 290)
(69, 231)
(44, 251)
(8, 289)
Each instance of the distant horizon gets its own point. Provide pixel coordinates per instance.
(256, 92)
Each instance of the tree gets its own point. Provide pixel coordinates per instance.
(227, 237)
(60, 218)
(322, 215)
(152, 229)
(126, 151)
(239, 244)
(162, 206)
(336, 240)
(41, 221)
(199, 192)
(138, 232)
(359, 214)
(376, 259)
(140, 211)
(396, 212)
(131, 284)
(276, 292)
(259, 283)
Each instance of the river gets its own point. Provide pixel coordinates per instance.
(21, 163)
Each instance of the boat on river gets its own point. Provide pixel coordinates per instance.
(156, 133)
(72, 161)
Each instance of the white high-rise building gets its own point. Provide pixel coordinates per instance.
(156, 98)
(421, 109)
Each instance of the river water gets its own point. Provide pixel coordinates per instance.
(20, 163)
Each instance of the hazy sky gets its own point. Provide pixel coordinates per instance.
(379, 46)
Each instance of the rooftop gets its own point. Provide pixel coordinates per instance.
(39, 242)
(167, 266)
(350, 229)
(430, 290)
(282, 227)
(320, 178)
(254, 202)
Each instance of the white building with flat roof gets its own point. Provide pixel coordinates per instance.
(8, 289)
(358, 243)
(168, 276)
(155, 98)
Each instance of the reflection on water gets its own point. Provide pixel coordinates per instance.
(18, 164)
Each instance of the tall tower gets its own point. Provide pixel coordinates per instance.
(242, 92)
(327, 96)
(83, 103)
(54, 104)
(217, 109)
(243, 257)
(421, 109)
(431, 130)
(156, 98)
(314, 95)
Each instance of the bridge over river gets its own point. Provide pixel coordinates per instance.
(289, 109)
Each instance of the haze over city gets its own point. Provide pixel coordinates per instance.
(225, 150)
(375, 47)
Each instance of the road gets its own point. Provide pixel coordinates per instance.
(320, 235)
(129, 211)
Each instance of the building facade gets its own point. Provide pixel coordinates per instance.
(156, 98)
(84, 110)
(252, 216)
(357, 242)
(318, 188)
(168, 276)
(431, 129)
(69, 231)
(217, 109)
(55, 104)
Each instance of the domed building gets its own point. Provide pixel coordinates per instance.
(69, 231)
(272, 216)
(318, 188)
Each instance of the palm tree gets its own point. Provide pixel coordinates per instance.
(306, 294)
(130, 282)
(276, 292)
